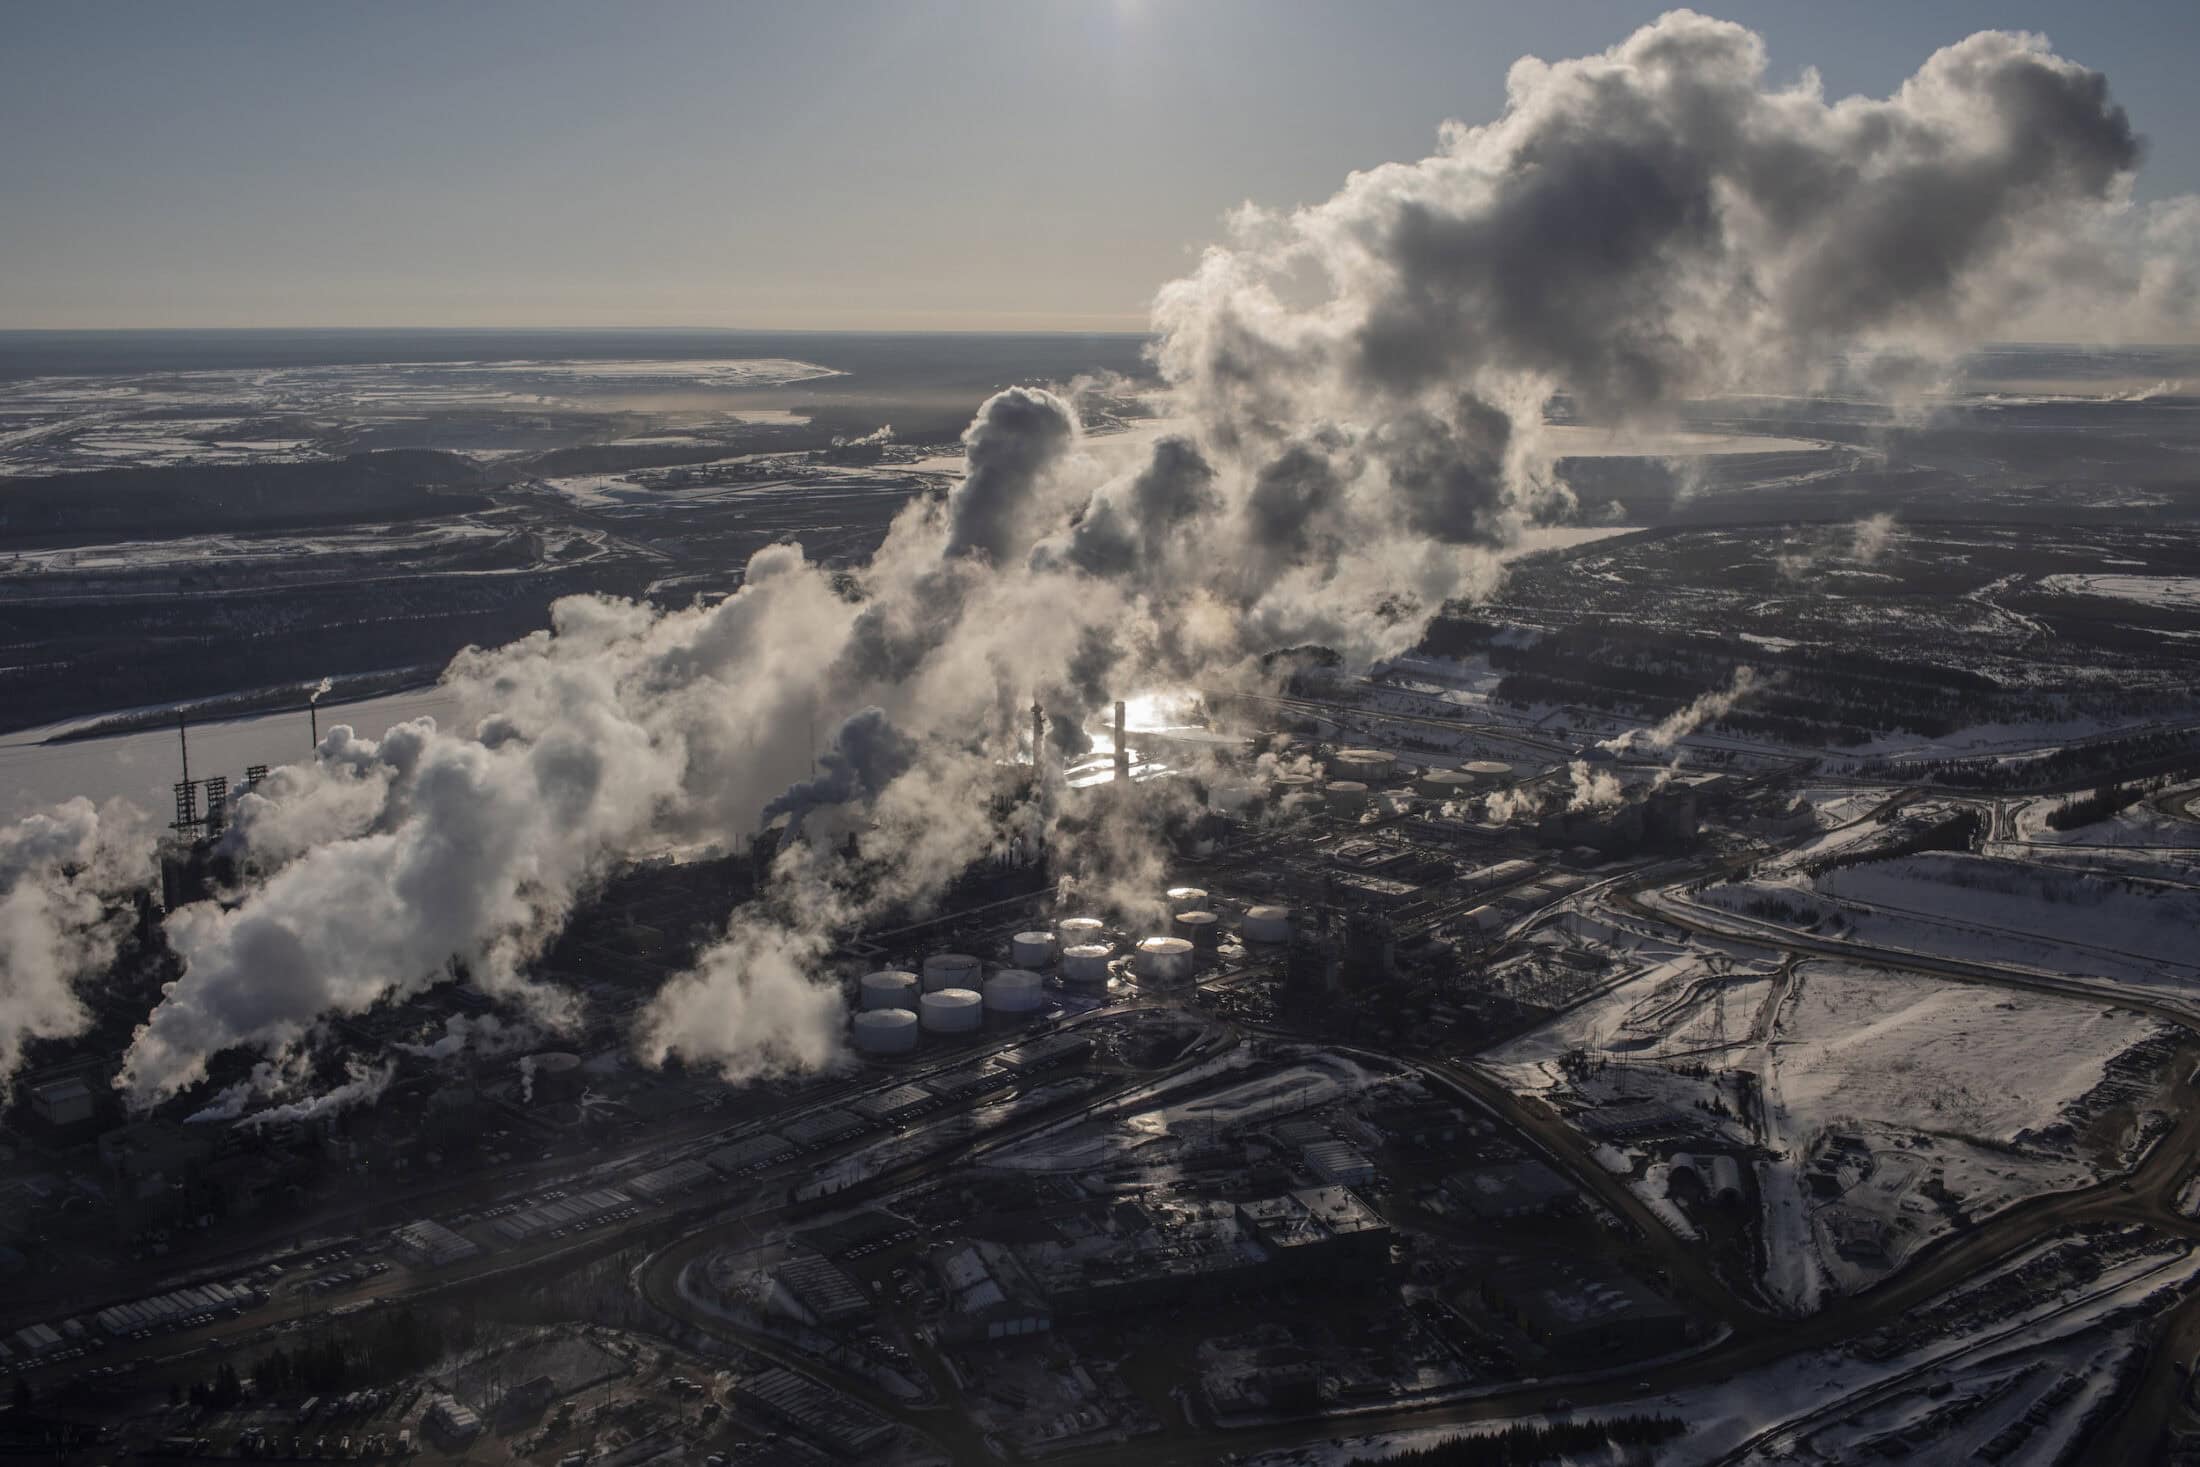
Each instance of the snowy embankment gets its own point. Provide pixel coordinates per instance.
(1981, 909)
(2141, 826)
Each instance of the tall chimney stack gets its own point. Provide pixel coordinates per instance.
(1038, 732)
(1122, 752)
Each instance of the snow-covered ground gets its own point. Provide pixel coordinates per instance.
(2180, 592)
(1995, 738)
(1833, 806)
(2085, 925)
(2140, 826)
(67, 424)
(1866, 1044)
(1826, 1406)
(1915, 1103)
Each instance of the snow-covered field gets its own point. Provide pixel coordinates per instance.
(2140, 826)
(2081, 924)
(2180, 592)
(69, 424)
(1865, 1044)
(1916, 1102)
(1837, 805)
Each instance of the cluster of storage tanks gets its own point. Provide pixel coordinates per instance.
(950, 995)
(1351, 777)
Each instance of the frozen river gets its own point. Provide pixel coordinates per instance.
(142, 767)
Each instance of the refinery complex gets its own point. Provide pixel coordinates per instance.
(1551, 816)
(1280, 1139)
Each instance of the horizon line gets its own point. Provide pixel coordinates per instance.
(455, 330)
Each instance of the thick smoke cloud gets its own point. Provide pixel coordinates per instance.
(867, 754)
(1357, 393)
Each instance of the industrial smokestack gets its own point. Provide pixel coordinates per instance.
(1122, 754)
(1038, 731)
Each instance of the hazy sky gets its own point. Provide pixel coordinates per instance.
(1012, 165)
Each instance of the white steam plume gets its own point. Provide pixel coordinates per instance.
(1866, 542)
(59, 872)
(363, 1088)
(1593, 789)
(486, 1036)
(1702, 709)
(1359, 389)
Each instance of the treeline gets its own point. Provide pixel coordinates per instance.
(2118, 759)
(1961, 831)
(1815, 695)
(2112, 798)
(199, 499)
(381, 1347)
(1523, 1446)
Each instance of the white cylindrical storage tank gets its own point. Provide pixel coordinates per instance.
(1087, 962)
(1187, 899)
(953, 1011)
(1015, 991)
(1488, 771)
(889, 988)
(885, 1031)
(1267, 924)
(950, 970)
(1447, 784)
(1163, 959)
(1346, 797)
(1299, 804)
(1033, 949)
(1362, 764)
(1079, 931)
(1202, 930)
(1231, 797)
(1291, 784)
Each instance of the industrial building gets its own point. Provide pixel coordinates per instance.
(889, 1106)
(821, 1128)
(989, 1295)
(1043, 1054)
(65, 1103)
(560, 1213)
(1318, 1229)
(830, 1296)
(1582, 1308)
(1510, 1190)
(843, 1425)
(1339, 1163)
(162, 1310)
(429, 1244)
(749, 1153)
(670, 1181)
